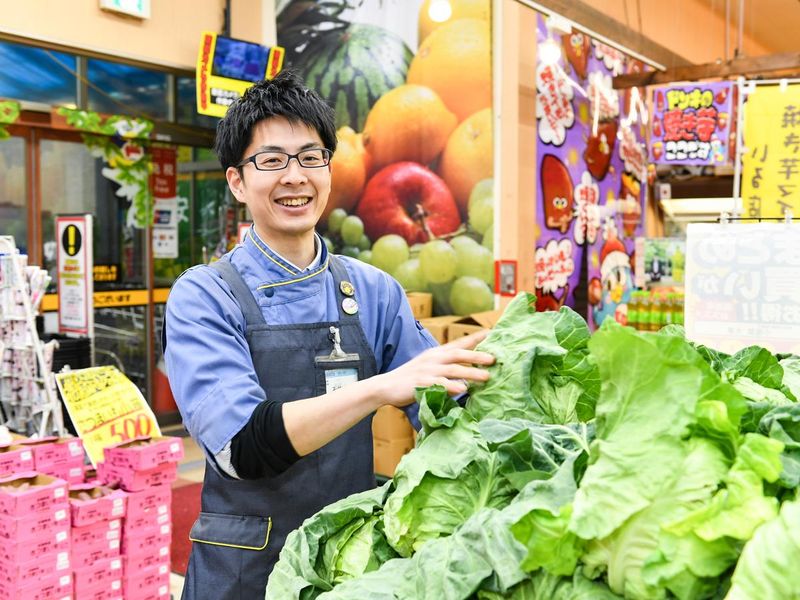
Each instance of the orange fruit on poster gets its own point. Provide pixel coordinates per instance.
(468, 157)
(458, 9)
(455, 61)
(408, 123)
(348, 172)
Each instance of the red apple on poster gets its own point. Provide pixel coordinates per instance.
(410, 200)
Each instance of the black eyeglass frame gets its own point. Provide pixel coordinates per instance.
(326, 157)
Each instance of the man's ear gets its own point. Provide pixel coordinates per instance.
(235, 179)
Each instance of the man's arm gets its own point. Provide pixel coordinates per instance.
(313, 422)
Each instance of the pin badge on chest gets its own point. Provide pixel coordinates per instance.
(350, 306)
(347, 288)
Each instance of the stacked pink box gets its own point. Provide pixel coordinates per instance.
(145, 468)
(97, 513)
(34, 538)
(59, 457)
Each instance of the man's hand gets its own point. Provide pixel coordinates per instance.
(446, 365)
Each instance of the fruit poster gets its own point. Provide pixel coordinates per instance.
(691, 124)
(771, 159)
(412, 187)
(591, 167)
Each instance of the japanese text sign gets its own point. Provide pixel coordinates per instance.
(691, 124)
(75, 281)
(106, 408)
(743, 286)
(771, 155)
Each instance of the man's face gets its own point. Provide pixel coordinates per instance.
(286, 203)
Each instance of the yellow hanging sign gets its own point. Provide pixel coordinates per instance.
(771, 156)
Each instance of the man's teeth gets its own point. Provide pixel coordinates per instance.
(294, 201)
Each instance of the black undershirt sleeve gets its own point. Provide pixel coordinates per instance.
(262, 448)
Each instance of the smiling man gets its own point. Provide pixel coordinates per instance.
(279, 354)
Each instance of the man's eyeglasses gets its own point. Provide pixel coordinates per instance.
(272, 160)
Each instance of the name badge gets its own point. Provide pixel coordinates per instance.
(338, 378)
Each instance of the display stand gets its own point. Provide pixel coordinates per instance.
(28, 400)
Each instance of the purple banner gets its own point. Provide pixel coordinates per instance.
(591, 165)
(691, 124)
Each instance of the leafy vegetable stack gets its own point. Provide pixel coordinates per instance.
(617, 465)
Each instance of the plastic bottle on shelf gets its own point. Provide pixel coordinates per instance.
(655, 312)
(633, 310)
(678, 319)
(644, 310)
(667, 309)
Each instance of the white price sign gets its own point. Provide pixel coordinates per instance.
(75, 281)
(743, 286)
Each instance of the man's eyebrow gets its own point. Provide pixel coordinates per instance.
(305, 146)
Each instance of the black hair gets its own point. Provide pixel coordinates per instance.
(285, 95)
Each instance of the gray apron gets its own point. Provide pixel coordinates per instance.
(243, 524)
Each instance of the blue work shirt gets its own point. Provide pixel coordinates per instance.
(208, 361)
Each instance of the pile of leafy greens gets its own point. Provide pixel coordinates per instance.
(614, 465)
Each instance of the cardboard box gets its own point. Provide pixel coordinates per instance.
(132, 480)
(155, 558)
(150, 521)
(17, 575)
(72, 473)
(32, 527)
(472, 323)
(86, 557)
(144, 453)
(136, 545)
(56, 542)
(53, 450)
(390, 423)
(96, 534)
(421, 304)
(15, 459)
(102, 506)
(148, 500)
(25, 493)
(387, 454)
(146, 582)
(437, 326)
(106, 590)
(55, 586)
(96, 577)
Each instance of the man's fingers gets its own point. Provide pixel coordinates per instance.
(469, 341)
(459, 355)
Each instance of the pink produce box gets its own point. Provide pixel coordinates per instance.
(33, 526)
(21, 574)
(56, 542)
(52, 450)
(55, 587)
(86, 557)
(99, 575)
(72, 473)
(159, 593)
(147, 500)
(134, 481)
(15, 459)
(155, 558)
(146, 521)
(102, 505)
(135, 545)
(29, 492)
(144, 453)
(109, 590)
(96, 534)
(146, 582)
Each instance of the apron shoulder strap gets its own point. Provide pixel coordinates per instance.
(250, 310)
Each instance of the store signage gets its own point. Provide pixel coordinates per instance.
(691, 124)
(771, 159)
(106, 408)
(106, 273)
(743, 286)
(75, 274)
(226, 67)
(134, 8)
(165, 228)
(165, 166)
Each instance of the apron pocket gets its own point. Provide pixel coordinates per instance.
(233, 531)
